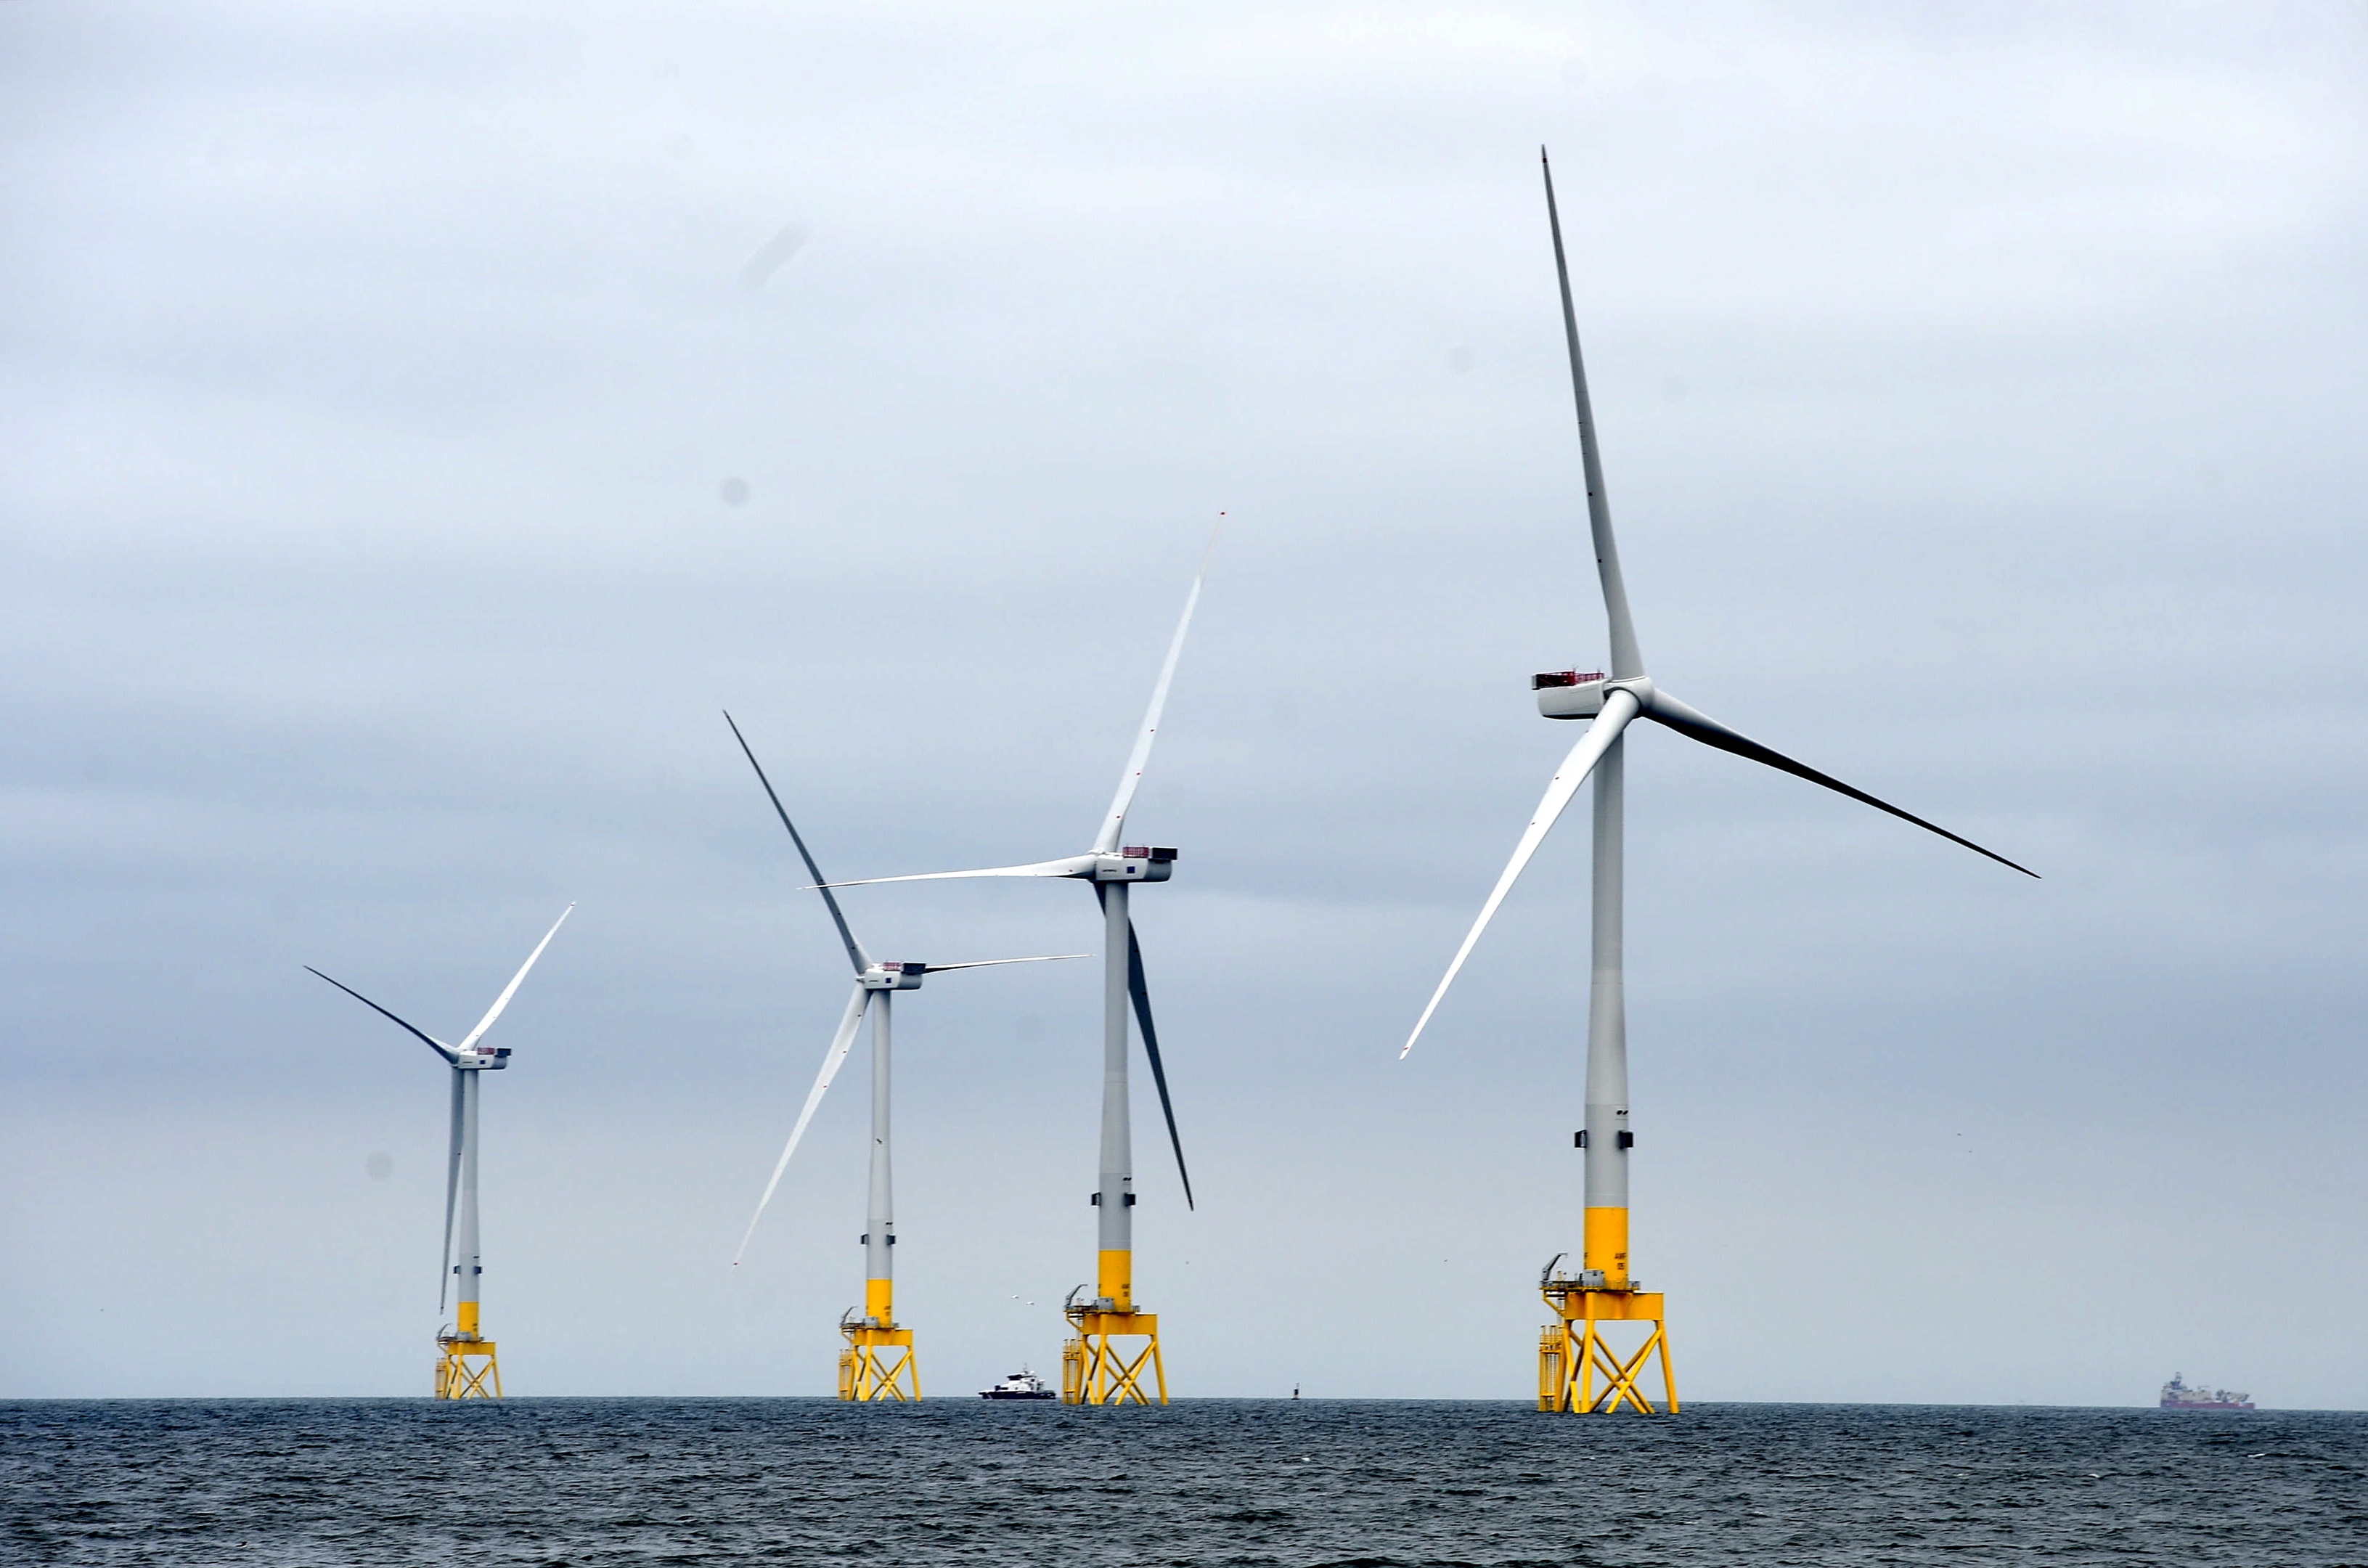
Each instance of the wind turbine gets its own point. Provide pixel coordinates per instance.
(879, 1361)
(467, 1369)
(1093, 1369)
(1572, 1351)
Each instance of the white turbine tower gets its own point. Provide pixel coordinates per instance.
(879, 1361)
(467, 1368)
(1572, 1351)
(1093, 1369)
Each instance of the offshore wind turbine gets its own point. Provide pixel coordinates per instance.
(1095, 1369)
(1572, 1350)
(467, 1369)
(879, 1361)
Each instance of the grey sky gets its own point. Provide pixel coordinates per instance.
(1980, 396)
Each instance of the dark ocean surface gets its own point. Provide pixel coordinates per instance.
(1204, 1482)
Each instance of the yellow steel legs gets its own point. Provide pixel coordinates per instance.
(1579, 1367)
(467, 1369)
(1575, 1354)
(879, 1361)
(1095, 1369)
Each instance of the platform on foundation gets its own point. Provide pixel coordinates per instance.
(1581, 1368)
(467, 1368)
(1096, 1369)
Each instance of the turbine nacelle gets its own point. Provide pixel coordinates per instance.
(893, 976)
(1134, 863)
(1578, 694)
(481, 1058)
(1569, 694)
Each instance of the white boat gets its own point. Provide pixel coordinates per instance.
(1021, 1384)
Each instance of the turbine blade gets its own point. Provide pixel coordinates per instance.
(1114, 824)
(1667, 710)
(438, 1046)
(990, 963)
(451, 1191)
(855, 954)
(1619, 708)
(511, 990)
(840, 1045)
(1074, 865)
(1626, 662)
(1140, 994)
(1137, 989)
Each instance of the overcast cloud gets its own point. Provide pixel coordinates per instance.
(423, 421)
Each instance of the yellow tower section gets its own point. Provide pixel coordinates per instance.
(467, 1369)
(1115, 1345)
(879, 1361)
(1585, 1365)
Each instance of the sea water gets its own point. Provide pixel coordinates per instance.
(1203, 1482)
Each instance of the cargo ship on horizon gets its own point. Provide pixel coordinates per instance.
(2176, 1395)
